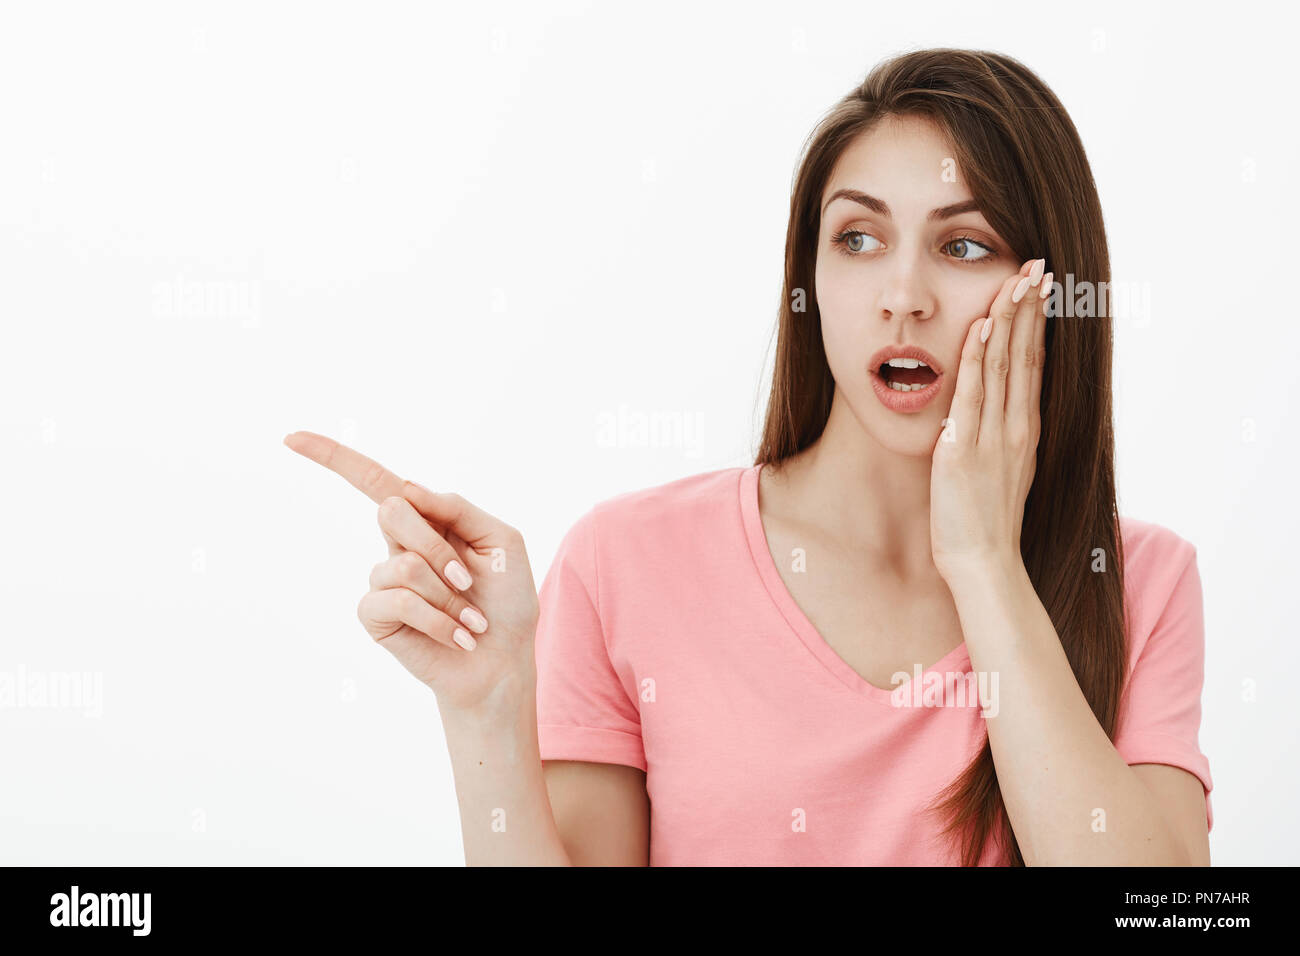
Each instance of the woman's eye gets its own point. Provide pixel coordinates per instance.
(961, 247)
(855, 242)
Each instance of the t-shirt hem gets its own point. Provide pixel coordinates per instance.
(592, 744)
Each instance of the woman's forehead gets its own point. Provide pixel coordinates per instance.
(907, 162)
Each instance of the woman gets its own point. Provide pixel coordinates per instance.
(915, 631)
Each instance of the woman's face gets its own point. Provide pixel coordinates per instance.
(902, 261)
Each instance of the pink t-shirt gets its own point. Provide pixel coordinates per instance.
(668, 642)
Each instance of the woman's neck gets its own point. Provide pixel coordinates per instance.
(855, 491)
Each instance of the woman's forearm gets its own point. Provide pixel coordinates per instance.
(1056, 766)
(505, 812)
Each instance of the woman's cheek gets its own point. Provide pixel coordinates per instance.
(846, 350)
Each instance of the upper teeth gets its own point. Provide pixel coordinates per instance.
(906, 363)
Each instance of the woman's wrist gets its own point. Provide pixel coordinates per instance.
(505, 811)
(506, 728)
(978, 572)
(511, 697)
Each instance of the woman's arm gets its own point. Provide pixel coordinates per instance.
(516, 810)
(1056, 766)
(452, 566)
(505, 812)
(602, 811)
(1071, 798)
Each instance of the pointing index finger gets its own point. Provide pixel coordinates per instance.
(366, 475)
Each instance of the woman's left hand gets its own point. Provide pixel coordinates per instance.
(984, 461)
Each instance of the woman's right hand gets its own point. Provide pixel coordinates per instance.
(455, 601)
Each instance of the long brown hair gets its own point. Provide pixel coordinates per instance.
(1026, 168)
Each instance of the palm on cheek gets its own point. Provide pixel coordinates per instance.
(984, 461)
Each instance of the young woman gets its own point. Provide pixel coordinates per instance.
(916, 630)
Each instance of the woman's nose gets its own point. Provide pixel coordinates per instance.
(906, 294)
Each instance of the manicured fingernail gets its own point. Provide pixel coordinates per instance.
(1047, 286)
(461, 637)
(457, 574)
(1021, 286)
(472, 619)
(1036, 271)
(986, 329)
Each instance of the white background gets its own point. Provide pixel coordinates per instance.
(461, 238)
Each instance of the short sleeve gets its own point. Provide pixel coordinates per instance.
(1160, 711)
(584, 711)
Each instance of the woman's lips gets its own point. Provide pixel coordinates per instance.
(898, 401)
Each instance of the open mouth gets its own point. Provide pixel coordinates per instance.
(906, 374)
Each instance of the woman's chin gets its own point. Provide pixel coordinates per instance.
(913, 436)
(907, 434)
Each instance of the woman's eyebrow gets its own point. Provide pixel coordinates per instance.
(880, 207)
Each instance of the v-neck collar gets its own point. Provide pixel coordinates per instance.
(795, 617)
